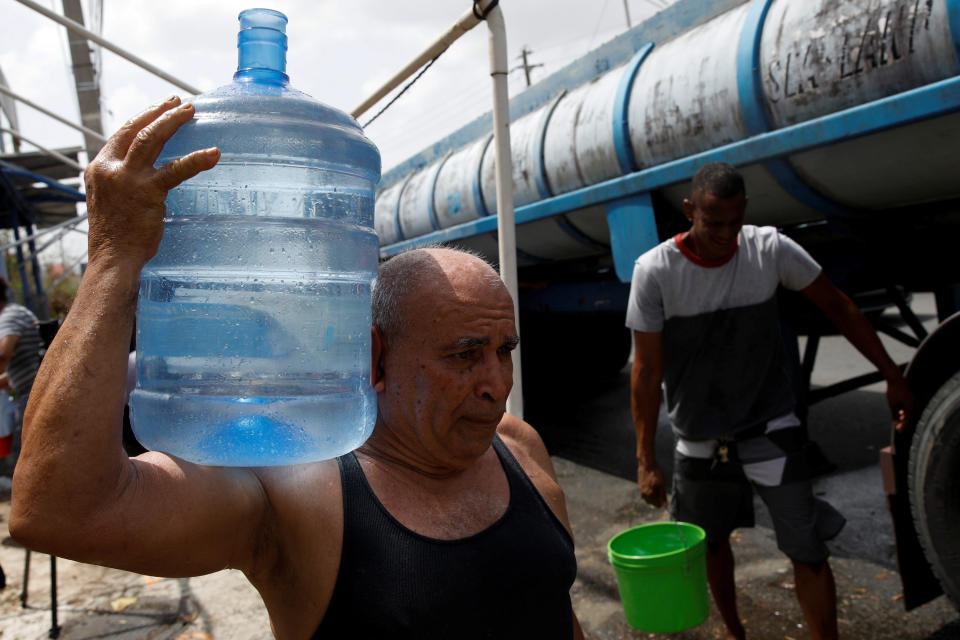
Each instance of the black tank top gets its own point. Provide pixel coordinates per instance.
(511, 580)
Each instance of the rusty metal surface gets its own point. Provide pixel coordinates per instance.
(596, 155)
(414, 204)
(453, 196)
(523, 133)
(685, 97)
(383, 213)
(560, 144)
(821, 56)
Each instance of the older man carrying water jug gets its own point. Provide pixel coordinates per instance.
(447, 523)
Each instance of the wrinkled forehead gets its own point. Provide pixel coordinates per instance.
(463, 289)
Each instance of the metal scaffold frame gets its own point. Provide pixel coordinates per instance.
(21, 208)
(489, 11)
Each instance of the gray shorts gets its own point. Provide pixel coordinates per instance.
(718, 495)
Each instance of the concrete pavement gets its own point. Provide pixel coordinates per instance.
(93, 602)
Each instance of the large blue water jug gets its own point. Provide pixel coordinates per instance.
(253, 323)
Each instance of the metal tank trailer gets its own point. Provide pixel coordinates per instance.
(844, 117)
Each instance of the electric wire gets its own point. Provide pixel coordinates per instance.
(403, 90)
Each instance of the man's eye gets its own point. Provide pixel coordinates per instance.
(464, 355)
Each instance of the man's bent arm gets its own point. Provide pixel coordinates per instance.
(75, 493)
(8, 345)
(646, 376)
(848, 319)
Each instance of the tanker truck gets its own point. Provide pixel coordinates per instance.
(844, 118)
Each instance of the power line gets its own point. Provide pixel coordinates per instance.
(599, 22)
(402, 91)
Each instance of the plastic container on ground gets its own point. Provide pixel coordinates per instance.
(253, 323)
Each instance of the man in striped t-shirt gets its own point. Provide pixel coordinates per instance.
(19, 359)
(703, 310)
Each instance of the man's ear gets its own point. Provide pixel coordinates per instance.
(378, 351)
(688, 208)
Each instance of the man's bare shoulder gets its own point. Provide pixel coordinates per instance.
(528, 448)
(521, 438)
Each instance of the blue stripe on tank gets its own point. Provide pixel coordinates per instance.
(431, 205)
(756, 119)
(539, 162)
(621, 104)
(482, 210)
(396, 208)
(953, 20)
(749, 84)
(540, 176)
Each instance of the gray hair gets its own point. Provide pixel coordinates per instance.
(400, 276)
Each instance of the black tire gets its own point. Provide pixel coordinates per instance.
(934, 482)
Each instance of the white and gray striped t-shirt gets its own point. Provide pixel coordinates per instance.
(724, 366)
(22, 369)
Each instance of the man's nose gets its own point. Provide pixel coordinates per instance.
(495, 379)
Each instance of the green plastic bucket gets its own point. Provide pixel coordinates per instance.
(662, 574)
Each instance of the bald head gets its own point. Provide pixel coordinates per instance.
(435, 272)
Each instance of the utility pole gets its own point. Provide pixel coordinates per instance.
(526, 65)
(626, 10)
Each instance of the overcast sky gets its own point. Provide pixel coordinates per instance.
(340, 51)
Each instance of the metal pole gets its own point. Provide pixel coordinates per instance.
(466, 22)
(60, 225)
(57, 236)
(40, 309)
(501, 131)
(626, 10)
(22, 263)
(506, 225)
(54, 627)
(78, 127)
(26, 580)
(50, 152)
(66, 272)
(89, 35)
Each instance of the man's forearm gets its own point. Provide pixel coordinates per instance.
(850, 321)
(645, 407)
(72, 455)
(855, 327)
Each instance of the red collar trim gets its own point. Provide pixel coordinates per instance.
(703, 262)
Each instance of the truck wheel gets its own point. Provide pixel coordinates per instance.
(934, 482)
